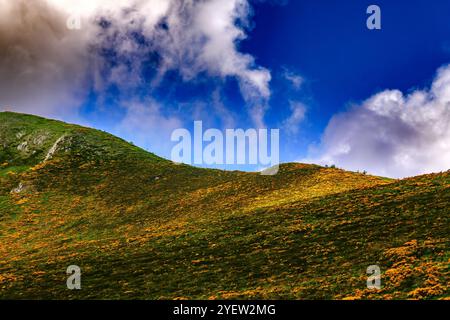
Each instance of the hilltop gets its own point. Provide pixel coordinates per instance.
(142, 227)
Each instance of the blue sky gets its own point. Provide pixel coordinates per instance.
(342, 61)
(324, 65)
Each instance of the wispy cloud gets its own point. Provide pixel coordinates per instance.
(298, 112)
(146, 125)
(294, 79)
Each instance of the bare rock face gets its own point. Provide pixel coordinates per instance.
(19, 189)
(57, 146)
(20, 134)
(29, 144)
(23, 147)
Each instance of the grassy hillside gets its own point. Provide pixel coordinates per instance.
(141, 227)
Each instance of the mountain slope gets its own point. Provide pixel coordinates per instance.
(142, 227)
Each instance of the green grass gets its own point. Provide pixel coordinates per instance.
(307, 232)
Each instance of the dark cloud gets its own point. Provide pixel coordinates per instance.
(46, 67)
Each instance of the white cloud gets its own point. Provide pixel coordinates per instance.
(44, 66)
(203, 37)
(392, 134)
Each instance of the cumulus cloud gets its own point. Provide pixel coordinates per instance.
(391, 133)
(45, 67)
(202, 38)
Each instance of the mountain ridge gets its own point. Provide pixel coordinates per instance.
(142, 227)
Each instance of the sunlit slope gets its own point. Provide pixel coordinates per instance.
(142, 227)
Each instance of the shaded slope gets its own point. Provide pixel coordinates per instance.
(29, 140)
(142, 227)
